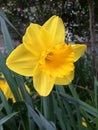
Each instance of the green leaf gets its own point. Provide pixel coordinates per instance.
(65, 114)
(6, 118)
(91, 110)
(73, 91)
(59, 114)
(41, 122)
(70, 114)
(5, 103)
(6, 36)
(12, 123)
(2, 14)
(47, 107)
(1, 127)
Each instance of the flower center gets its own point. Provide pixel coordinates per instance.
(57, 61)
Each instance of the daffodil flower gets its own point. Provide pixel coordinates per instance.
(6, 89)
(45, 56)
(84, 123)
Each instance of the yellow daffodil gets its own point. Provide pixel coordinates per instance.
(5, 88)
(84, 122)
(45, 56)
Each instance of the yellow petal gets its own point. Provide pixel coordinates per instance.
(6, 89)
(78, 49)
(36, 38)
(43, 83)
(66, 80)
(2, 85)
(27, 88)
(8, 92)
(22, 61)
(56, 29)
(84, 124)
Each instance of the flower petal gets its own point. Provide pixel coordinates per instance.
(66, 80)
(78, 49)
(22, 61)
(7, 92)
(36, 38)
(56, 29)
(43, 83)
(6, 89)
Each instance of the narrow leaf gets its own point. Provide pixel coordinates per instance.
(6, 118)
